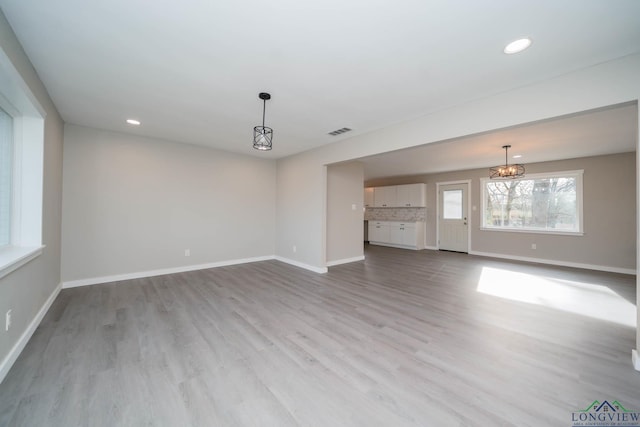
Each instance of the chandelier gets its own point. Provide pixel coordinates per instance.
(506, 171)
(262, 135)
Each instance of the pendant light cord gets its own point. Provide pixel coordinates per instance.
(506, 155)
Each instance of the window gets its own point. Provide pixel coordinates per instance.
(21, 170)
(546, 203)
(452, 204)
(6, 171)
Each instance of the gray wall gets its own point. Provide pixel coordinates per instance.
(134, 204)
(609, 214)
(25, 290)
(345, 231)
(301, 206)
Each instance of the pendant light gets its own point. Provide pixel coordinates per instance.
(262, 135)
(506, 171)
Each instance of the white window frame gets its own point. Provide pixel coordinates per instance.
(27, 179)
(11, 159)
(577, 174)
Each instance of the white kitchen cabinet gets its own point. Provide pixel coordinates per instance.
(408, 235)
(411, 235)
(396, 233)
(411, 195)
(369, 197)
(397, 196)
(403, 233)
(379, 231)
(385, 197)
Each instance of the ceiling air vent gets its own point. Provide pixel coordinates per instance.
(339, 131)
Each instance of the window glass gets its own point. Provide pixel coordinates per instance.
(541, 203)
(6, 157)
(452, 204)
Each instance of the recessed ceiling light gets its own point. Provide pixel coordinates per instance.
(517, 156)
(517, 46)
(133, 122)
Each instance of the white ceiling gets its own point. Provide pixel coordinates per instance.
(191, 70)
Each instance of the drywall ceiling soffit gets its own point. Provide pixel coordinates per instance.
(604, 131)
(191, 71)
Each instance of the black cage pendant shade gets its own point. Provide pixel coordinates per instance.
(506, 171)
(262, 135)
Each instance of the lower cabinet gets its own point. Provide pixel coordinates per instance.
(409, 235)
(379, 231)
(403, 234)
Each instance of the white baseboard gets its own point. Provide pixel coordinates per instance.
(345, 261)
(556, 262)
(10, 359)
(302, 265)
(160, 272)
(635, 359)
(391, 245)
(431, 248)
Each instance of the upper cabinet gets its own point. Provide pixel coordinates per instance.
(412, 195)
(368, 197)
(396, 196)
(385, 197)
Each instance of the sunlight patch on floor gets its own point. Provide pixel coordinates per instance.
(596, 301)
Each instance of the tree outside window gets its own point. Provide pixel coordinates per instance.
(539, 203)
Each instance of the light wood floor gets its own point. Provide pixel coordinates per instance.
(401, 339)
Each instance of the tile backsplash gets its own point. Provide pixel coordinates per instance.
(395, 214)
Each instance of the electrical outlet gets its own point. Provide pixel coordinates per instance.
(7, 322)
(187, 252)
(533, 246)
(295, 249)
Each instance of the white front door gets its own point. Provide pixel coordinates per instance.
(453, 227)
